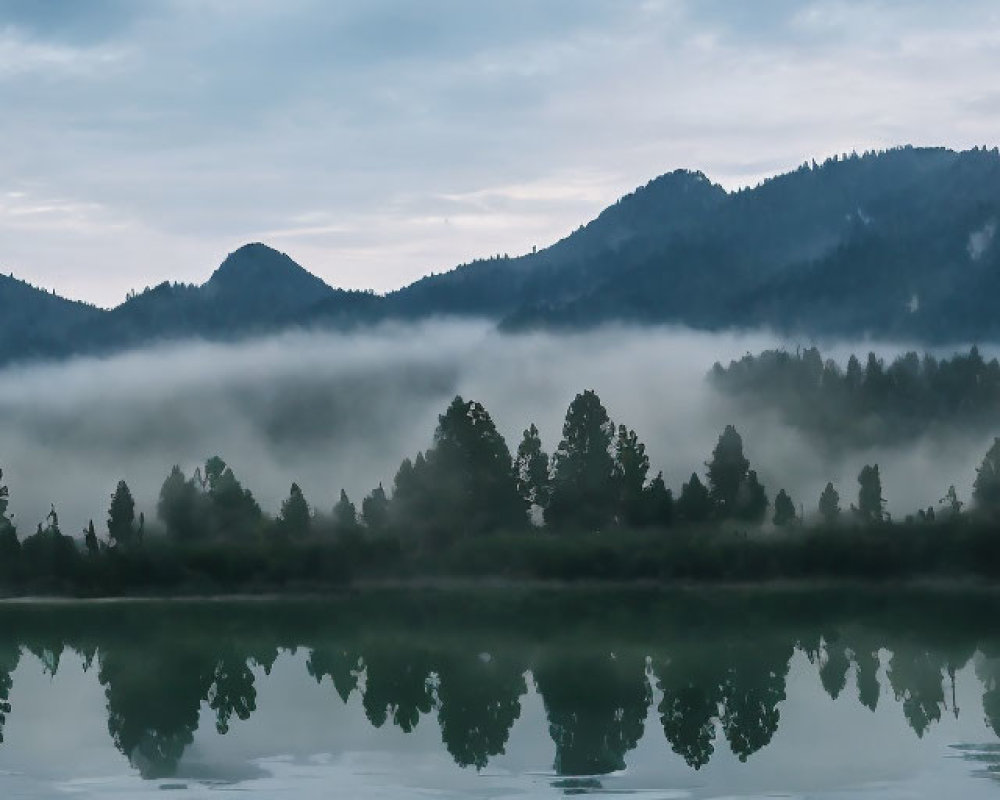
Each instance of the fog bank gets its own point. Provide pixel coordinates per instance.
(333, 410)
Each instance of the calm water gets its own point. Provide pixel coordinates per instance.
(500, 694)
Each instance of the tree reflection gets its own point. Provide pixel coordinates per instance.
(10, 655)
(479, 698)
(755, 684)
(692, 693)
(596, 706)
(916, 677)
(719, 681)
(154, 696)
(397, 685)
(866, 665)
(343, 667)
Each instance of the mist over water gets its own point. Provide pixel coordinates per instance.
(333, 410)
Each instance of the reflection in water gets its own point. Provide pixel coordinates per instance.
(10, 655)
(596, 705)
(720, 679)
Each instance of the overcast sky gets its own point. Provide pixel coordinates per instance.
(375, 141)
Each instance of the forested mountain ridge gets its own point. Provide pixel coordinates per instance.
(900, 243)
(255, 290)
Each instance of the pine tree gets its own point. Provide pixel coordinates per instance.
(752, 500)
(182, 507)
(630, 469)
(90, 540)
(784, 509)
(727, 472)
(532, 467)
(583, 488)
(121, 517)
(871, 504)
(829, 505)
(658, 503)
(375, 510)
(294, 520)
(695, 502)
(986, 488)
(345, 516)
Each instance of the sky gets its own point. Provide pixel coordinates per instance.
(376, 141)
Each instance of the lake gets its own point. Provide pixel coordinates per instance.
(503, 692)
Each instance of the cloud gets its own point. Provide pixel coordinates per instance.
(337, 410)
(210, 124)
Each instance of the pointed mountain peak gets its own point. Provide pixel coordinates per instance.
(257, 278)
(258, 262)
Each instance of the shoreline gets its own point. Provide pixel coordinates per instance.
(796, 586)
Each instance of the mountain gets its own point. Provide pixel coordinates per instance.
(892, 244)
(895, 244)
(33, 320)
(255, 290)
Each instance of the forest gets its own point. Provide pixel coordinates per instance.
(469, 507)
(874, 403)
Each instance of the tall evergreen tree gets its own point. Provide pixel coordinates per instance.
(90, 540)
(871, 504)
(532, 467)
(10, 545)
(294, 520)
(658, 503)
(375, 510)
(235, 513)
(630, 469)
(752, 500)
(474, 483)
(695, 502)
(583, 487)
(727, 472)
(182, 507)
(121, 517)
(986, 488)
(345, 515)
(784, 509)
(829, 505)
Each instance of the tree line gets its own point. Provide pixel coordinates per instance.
(468, 496)
(869, 402)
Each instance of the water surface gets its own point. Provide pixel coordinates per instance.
(502, 693)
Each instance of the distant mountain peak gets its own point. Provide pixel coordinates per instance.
(255, 262)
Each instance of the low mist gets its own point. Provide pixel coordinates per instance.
(337, 410)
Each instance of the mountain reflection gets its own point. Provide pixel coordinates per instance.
(719, 681)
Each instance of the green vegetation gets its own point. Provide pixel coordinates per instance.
(873, 404)
(466, 507)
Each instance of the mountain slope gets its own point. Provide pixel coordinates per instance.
(33, 322)
(893, 244)
(903, 243)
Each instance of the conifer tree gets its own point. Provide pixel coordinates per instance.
(532, 467)
(294, 520)
(829, 505)
(121, 517)
(90, 540)
(727, 472)
(695, 502)
(630, 469)
(986, 488)
(583, 487)
(784, 509)
(345, 516)
(871, 504)
(375, 510)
